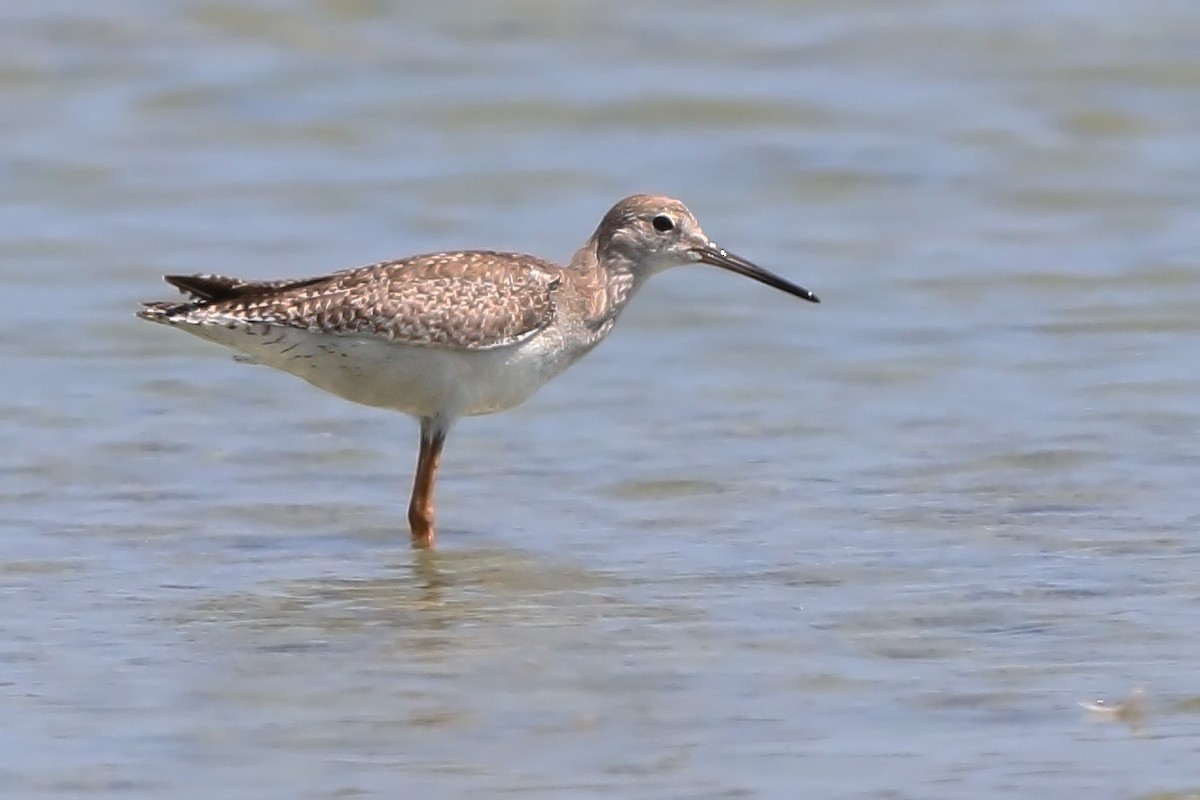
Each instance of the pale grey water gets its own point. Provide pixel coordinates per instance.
(750, 547)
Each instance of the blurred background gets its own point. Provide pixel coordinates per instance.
(750, 547)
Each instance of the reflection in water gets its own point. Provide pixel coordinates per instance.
(431, 604)
(428, 577)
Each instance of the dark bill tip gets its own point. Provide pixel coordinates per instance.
(726, 260)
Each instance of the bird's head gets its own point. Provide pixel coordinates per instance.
(649, 233)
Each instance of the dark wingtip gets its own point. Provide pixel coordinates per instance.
(218, 288)
(202, 287)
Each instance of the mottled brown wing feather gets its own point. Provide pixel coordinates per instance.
(469, 300)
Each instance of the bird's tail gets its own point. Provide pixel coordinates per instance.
(204, 290)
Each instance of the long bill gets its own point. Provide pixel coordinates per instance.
(718, 257)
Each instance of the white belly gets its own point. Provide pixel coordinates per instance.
(421, 381)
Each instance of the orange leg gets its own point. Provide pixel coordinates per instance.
(420, 508)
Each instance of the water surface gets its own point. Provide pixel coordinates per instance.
(750, 547)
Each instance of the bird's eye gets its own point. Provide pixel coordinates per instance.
(662, 223)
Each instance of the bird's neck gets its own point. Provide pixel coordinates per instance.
(605, 289)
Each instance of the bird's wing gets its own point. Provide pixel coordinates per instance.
(472, 300)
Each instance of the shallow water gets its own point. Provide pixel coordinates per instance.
(750, 547)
